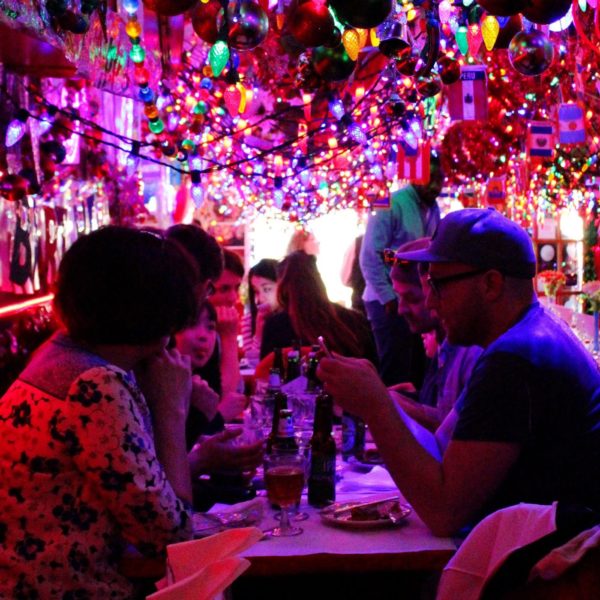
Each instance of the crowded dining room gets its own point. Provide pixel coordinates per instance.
(262, 263)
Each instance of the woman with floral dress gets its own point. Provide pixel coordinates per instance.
(93, 455)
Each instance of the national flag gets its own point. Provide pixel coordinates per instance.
(540, 139)
(571, 124)
(413, 163)
(496, 190)
(467, 97)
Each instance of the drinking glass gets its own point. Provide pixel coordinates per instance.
(284, 480)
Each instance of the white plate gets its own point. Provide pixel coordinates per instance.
(394, 515)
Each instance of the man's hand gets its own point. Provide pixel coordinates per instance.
(353, 383)
(204, 398)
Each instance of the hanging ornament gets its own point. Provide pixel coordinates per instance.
(332, 64)
(204, 20)
(311, 23)
(490, 28)
(218, 57)
(428, 85)
(351, 41)
(16, 128)
(248, 25)
(544, 12)
(449, 69)
(502, 8)
(391, 42)
(362, 13)
(530, 53)
(169, 8)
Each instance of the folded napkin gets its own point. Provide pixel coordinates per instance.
(202, 569)
(489, 544)
(206, 584)
(377, 480)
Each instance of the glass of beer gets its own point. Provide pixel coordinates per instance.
(284, 480)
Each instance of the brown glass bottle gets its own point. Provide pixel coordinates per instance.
(279, 403)
(312, 381)
(278, 362)
(321, 479)
(285, 440)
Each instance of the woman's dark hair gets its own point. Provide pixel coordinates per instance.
(202, 246)
(233, 262)
(124, 286)
(302, 294)
(267, 268)
(211, 371)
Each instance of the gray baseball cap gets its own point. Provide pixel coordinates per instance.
(480, 237)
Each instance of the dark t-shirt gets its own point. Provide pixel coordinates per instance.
(537, 386)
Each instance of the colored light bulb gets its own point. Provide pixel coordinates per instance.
(137, 54)
(218, 57)
(133, 28)
(351, 41)
(156, 126)
(131, 6)
(15, 130)
(490, 28)
(462, 39)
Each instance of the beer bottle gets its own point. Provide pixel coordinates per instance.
(293, 365)
(312, 381)
(285, 440)
(321, 479)
(279, 404)
(353, 436)
(278, 362)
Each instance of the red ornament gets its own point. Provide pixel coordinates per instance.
(502, 8)
(311, 23)
(544, 12)
(169, 8)
(449, 69)
(248, 26)
(14, 187)
(204, 20)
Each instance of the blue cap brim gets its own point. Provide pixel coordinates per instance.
(421, 256)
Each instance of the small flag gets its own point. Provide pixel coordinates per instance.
(496, 190)
(413, 163)
(467, 97)
(379, 202)
(571, 124)
(540, 139)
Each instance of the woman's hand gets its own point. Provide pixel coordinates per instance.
(204, 398)
(218, 453)
(228, 321)
(263, 311)
(232, 404)
(166, 381)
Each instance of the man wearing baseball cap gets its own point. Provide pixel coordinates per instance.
(527, 426)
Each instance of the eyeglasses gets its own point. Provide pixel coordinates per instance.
(436, 283)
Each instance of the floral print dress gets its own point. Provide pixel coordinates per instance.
(79, 479)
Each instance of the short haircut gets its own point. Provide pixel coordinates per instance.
(408, 271)
(233, 262)
(124, 286)
(202, 246)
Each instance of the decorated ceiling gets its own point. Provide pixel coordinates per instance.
(301, 107)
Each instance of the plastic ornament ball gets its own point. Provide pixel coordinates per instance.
(248, 26)
(544, 12)
(131, 6)
(169, 8)
(133, 28)
(156, 126)
(407, 64)
(151, 111)
(332, 64)
(429, 85)
(530, 53)
(362, 13)
(311, 23)
(146, 94)
(502, 8)
(448, 69)
(204, 20)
